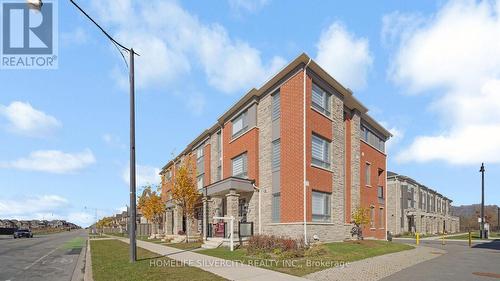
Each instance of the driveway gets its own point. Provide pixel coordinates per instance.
(481, 262)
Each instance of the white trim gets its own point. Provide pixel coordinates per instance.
(304, 151)
(373, 147)
(324, 115)
(322, 168)
(244, 133)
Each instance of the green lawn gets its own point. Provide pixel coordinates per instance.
(336, 253)
(110, 261)
(475, 236)
(75, 243)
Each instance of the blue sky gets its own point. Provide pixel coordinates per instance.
(429, 71)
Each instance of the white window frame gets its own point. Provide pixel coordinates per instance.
(244, 159)
(276, 155)
(244, 124)
(325, 151)
(323, 215)
(326, 97)
(368, 174)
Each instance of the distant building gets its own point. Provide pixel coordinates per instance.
(413, 207)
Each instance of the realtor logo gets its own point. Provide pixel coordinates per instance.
(29, 36)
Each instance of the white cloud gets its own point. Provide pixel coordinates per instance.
(455, 53)
(346, 57)
(247, 5)
(81, 218)
(49, 207)
(145, 175)
(171, 41)
(26, 120)
(397, 135)
(35, 207)
(52, 161)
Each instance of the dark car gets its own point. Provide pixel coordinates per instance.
(23, 233)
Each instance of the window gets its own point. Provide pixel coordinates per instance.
(320, 152)
(380, 192)
(372, 217)
(276, 155)
(276, 207)
(169, 174)
(320, 100)
(381, 222)
(410, 197)
(240, 166)
(320, 206)
(218, 176)
(276, 106)
(373, 139)
(368, 174)
(199, 182)
(200, 163)
(240, 124)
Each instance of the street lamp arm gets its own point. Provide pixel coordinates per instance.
(102, 29)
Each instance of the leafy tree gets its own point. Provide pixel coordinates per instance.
(360, 217)
(184, 191)
(151, 205)
(104, 222)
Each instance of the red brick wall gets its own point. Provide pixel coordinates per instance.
(291, 134)
(369, 194)
(248, 142)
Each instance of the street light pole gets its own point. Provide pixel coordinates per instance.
(482, 234)
(37, 5)
(133, 248)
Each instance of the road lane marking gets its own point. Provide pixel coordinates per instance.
(29, 266)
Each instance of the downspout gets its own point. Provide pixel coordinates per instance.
(260, 221)
(304, 155)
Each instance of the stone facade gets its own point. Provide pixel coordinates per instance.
(413, 207)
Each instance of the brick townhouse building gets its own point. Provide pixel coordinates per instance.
(413, 207)
(295, 157)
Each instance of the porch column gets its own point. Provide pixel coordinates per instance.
(177, 219)
(232, 200)
(205, 214)
(168, 222)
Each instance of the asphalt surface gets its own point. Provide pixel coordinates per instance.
(460, 263)
(44, 257)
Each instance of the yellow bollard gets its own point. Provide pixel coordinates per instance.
(418, 239)
(442, 242)
(470, 239)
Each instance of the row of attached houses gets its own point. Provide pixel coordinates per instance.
(34, 224)
(413, 207)
(294, 157)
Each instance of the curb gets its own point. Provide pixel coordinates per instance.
(79, 271)
(88, 264)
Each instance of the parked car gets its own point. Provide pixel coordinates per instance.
(23, 233)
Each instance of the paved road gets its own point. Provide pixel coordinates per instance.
(460, 263)
(40, 258)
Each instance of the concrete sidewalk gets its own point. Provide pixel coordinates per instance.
(227, 269)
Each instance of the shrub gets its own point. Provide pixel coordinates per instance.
(279, 246)
(181, 232)
(316, 250)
